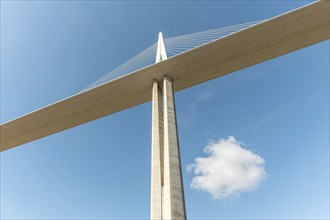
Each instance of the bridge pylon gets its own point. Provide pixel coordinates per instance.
(167, 194)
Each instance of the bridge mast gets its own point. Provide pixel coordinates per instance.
(167, 196)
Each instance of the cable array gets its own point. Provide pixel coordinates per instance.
(183, 43)
(174, 46)
(143, 59)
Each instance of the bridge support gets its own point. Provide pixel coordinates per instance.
(167, 196)
(157, 153)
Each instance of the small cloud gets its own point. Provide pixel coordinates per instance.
(187, 120)
(228, 170)
(204, 96)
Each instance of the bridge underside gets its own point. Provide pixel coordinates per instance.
(280, 35)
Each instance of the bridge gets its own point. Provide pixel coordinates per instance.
(219, 52)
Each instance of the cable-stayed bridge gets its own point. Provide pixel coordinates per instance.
(269, 39)
(156, 73)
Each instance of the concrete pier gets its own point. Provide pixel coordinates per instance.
(167, 196)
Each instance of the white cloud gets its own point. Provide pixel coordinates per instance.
(228, 170)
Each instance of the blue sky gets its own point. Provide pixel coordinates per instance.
(101, 170)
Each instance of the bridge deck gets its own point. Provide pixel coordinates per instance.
(280, 35)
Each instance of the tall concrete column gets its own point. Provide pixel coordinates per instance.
(173, 201)
(167, 198)
(157, 153)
